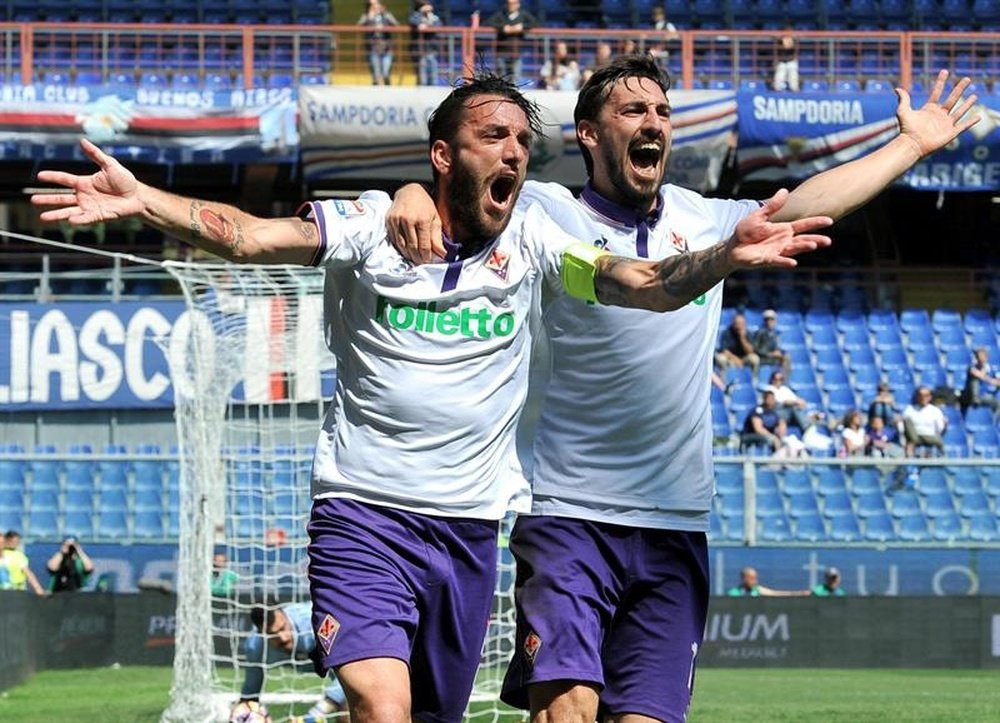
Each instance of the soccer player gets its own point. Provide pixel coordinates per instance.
(16, 565)
(612, 581)
(285, 633)
(415, 464)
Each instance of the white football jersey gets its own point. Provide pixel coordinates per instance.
(432, 363)
(625, 432)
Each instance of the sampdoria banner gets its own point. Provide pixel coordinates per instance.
(149, 125)
(381, 133)
(785, 136)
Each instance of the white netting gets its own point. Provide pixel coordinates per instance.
(252, 377)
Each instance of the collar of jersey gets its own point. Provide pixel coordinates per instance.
(618, 213)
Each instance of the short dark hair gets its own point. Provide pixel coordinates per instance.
(447, 117)
(262, 617)
(598, 87)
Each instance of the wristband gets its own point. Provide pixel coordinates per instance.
(579, 270)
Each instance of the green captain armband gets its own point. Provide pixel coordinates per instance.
(579, 270)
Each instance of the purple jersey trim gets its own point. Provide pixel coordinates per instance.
(624, 215)
(317, 215)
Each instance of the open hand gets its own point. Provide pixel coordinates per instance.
(936, 123)
(111, 192)
(758, 241)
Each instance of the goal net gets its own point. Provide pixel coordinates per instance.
(252, 379)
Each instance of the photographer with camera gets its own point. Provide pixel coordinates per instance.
(69, 568)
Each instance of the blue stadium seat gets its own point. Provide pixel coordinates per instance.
(802, 504)
(774, 529)
(810, 528)
(841, 401)
(731, 505)
(11, 518)
(939, 504)
(11, 473)
(879, 528)
(78, 499)
(847, 85)
(796, 481)
(913, 528)
(837, 503)
(113, 500)
(904, 503)
(979, 419)
(173, 523)
(865, 480)
(983, 527)
(844, 528)
(112, 474)
(830, 480)
(728, 479)
(933, 481)
(714, 527)
(148, 500)
(942, 319)
(985, 443)
(112, 524)
(829, 358)
(914, 318)
(992, 484)
(770, 503)
(44, 499)
(948, 527)
(79, 523)
(973, 504)
(767, 480)
(967, 480)
(44, 474)
(871, 504)
(148, 524)
(43, 523)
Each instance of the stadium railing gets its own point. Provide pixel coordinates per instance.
(219, 56)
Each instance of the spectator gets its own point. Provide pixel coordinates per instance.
(378, 42)
(786, 62)
(924, 423)
(763, 425)
(511, 25)
(667, 31)
(224, 579)
(561, 71)
(735, 348)
(69, 568)
(765, 342)
(15, 570)
(880, 440)
(830, 587)
(425, 44)
(978, 377)
(750, 587)
(791, 407)
(602, 56)
(883, 406)
(286, 634)
(853, 434)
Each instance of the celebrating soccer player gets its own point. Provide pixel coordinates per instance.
(612, 582)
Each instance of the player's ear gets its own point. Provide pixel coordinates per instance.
(586, 132)
(441, 156)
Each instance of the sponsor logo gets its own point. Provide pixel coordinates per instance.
(425, 317)
(497, 263)
(601, 243)
(349, 208)
(532, 644)
(327, 632)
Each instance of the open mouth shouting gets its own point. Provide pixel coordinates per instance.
(501, 192)
(644, 157)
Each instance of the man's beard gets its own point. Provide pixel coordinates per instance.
(630, 194)
(469, 226)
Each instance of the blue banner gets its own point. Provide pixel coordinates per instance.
(153, 125)
(864, 571)
(785, 136)
(80, 355)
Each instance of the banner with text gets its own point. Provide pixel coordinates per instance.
(784, 137)
(151, 125)
(85, 355)
(381, 133)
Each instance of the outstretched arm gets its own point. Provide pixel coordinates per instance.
(840, 190)
(676, 280)
(114, 192)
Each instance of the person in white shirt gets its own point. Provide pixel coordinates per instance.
(415, 462)
(791, 407)
(923, 422)
(612, 587)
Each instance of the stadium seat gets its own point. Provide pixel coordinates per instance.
(979, 419)
(871, 504)
(148, 500)
(932, 481)
(904, 503)
(79, 523)
(735, 530)
(838, 503)
(947, 527)
(714, 527)
(802, 504)
(967, 481)
(879, 528)
(992, 484)
(767, 481)
(939, 504)
(983, 528)
(774, 528)
(728, 479)
(43, 524)
(770, 503)
(830, 480)
(914, 318)
(810, 528)
(11, 474)
(44, 474)
(112, 474)
(732, 505)
(112, 524)
(796, 481)
(844, 528)
(113, 500)
(865, 480)
(79, 500)
(148, 524)
(913, 528)
(973, 504)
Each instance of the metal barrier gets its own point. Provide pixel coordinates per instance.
(252, 54)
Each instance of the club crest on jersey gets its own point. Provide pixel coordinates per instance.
(498, 262)
(680, 242)
(327, 632)
(532, 644)
(349, 208)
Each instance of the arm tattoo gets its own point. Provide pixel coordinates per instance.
(308, 230)
(195, 227)
(222, 229)
(688, 276)
(609, 289)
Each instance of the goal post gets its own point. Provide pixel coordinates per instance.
(252, 379)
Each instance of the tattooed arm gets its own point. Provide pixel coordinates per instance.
(113, 192)
(676, 280)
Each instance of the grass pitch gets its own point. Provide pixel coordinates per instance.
(138, 695)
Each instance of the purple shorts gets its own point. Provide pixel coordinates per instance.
(387, 583)
(623, 608)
